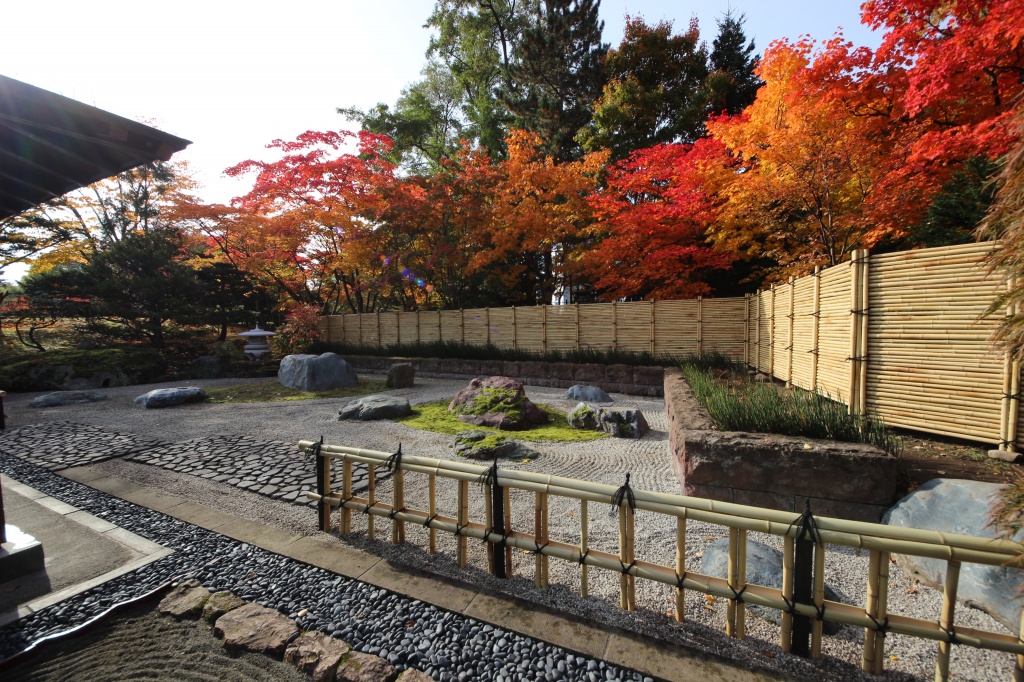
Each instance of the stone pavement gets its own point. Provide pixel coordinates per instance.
(63, 444)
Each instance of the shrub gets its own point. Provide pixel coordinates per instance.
(301, 328)
(49, 371)
(757, 407)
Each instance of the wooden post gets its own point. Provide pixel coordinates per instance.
(627, 595)
(540, 535)
(757, 335)
(487, 320)
(867, 660)
(515, 331)
(653, 341)
(346, 493)
(398, 501)
(496, 524)
(946, 619)
(371, 497)
(544, 328)
(700, 325)
(786, 632)
(792, 317)
(462, 519)
(360, 320)
(508, 529)
(735, 623)
(862, 342)
(771, 336)
(584, 531)
(577, 326)
(680, 564)
(380, 341)
(746, 329)
(489, 525)
(819, 598)
(615, 325)
(851, 398)
(323, 488)
(432, 510)
(803, 593)
(815, 321)
(741, 576)
(462, 325)
(883, 609)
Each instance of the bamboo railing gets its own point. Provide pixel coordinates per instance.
(801, 598)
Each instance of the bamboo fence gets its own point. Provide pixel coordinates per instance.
(901, 335)
(801, 598)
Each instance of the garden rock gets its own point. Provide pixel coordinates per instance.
(401, 375)
(207, 367)
(62, 398)
(324, 372)
(488, 446)
(169, 397)
(951, 505)
(588, 394)
(617, 423)
(185, 601)
(365, 668)
(413, 675)
(498, 402)
(220, 603)
(255, 628)
(375, 407)
(764, 567)
(316, 654)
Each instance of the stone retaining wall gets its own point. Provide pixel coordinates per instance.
(844, 480)
(642, 381)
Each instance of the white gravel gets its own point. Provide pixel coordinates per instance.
(606, 461)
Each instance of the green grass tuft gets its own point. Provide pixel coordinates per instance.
(272, 391)
(761, 408)
(436, 417)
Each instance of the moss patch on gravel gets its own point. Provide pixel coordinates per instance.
(436, 417)
(272, 391)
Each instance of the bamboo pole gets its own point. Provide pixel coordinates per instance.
(757, 329)
(792, 317)
(771, 336)
(680, 566)
(463, 521)
(786, 632)
(432, 511)
(946, 622)
(515, 330)
(851, 397)
(615, 325)
(626, 599)
(867, 661)
(584, 541)
(741, 579)
(346, 492)
(508, 530)
(398, 487)
(733, 578)
(883, 611)
(487, 321)
(1018, 668)
(324, 484)
(371, 495)
(746, 329)
(653, 342)
(492, 556)
(819, 599)
(540, 527)
(700, 326)
(865, 320)
(544, 328)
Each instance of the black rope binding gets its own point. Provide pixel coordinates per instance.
(490, 477)
(680, 579)
(539, 549)
(880, 627)
(627, 568)
(313, 451)
(394, 462)
(583, 557)
(806, 525)
(950, 634)
(737, 596)
(426, 521)
(624, 495)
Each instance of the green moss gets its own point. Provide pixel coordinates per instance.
(436, 417)
(493, 401)
(272, 391)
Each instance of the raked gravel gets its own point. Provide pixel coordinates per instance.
(605, 461)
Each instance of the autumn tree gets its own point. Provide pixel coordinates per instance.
(652, 219)
(654, 92)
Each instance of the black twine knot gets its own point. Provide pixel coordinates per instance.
(490, 477)
(626, 568)
(881, 627)
(950, 634)
(738, 596)
(680, 579)
(313, 451)
(583, 557)
(539, 549)
(806, 525)
(624, 495)
(394, 462)
(427, 521)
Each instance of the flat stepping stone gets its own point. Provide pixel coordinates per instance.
(169, 397)
(255, 628)
(187, 600)
(62, 398)
(317, 655)
(375, 407)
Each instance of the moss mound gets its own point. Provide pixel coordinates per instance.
(272, 391)
(64, 369)
(436, 417)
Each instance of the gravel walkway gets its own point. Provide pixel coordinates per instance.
(605, 461)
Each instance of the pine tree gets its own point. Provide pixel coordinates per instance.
(732, 83)
(557, 73)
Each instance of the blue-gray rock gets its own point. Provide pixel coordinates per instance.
(487, 446)
(617, 423)
(375, 407)
(951, 505)
(169, 397)
(764, 567)
(316, 372)
(61, 398)
(588, 394)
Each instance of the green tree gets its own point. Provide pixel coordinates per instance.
(654, 93)
(957, 210)
(556, 74)
(732, 84)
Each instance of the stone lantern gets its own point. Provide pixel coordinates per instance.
(257, 343)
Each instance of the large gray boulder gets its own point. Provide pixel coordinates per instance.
(764, 567)
(401, 375)
(324, 372)
(62, 398)
(498, 402)
(951, 505)
(588, 394)
(375, 407)
(616, 423)
(169, 397)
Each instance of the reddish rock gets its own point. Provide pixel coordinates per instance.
(255, 628)
(411, 675)
(512, 410)
(185, 601)
(220, 603)
(365, 668)
(316, 654)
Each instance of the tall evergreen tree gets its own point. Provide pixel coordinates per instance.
(732, 84)
(557, 75)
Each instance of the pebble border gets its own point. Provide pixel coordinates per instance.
(407, 633)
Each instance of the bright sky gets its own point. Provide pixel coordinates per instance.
(231, 76)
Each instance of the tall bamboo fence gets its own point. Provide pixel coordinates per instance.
(902, 335)
(658, 327)
(801, 598)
